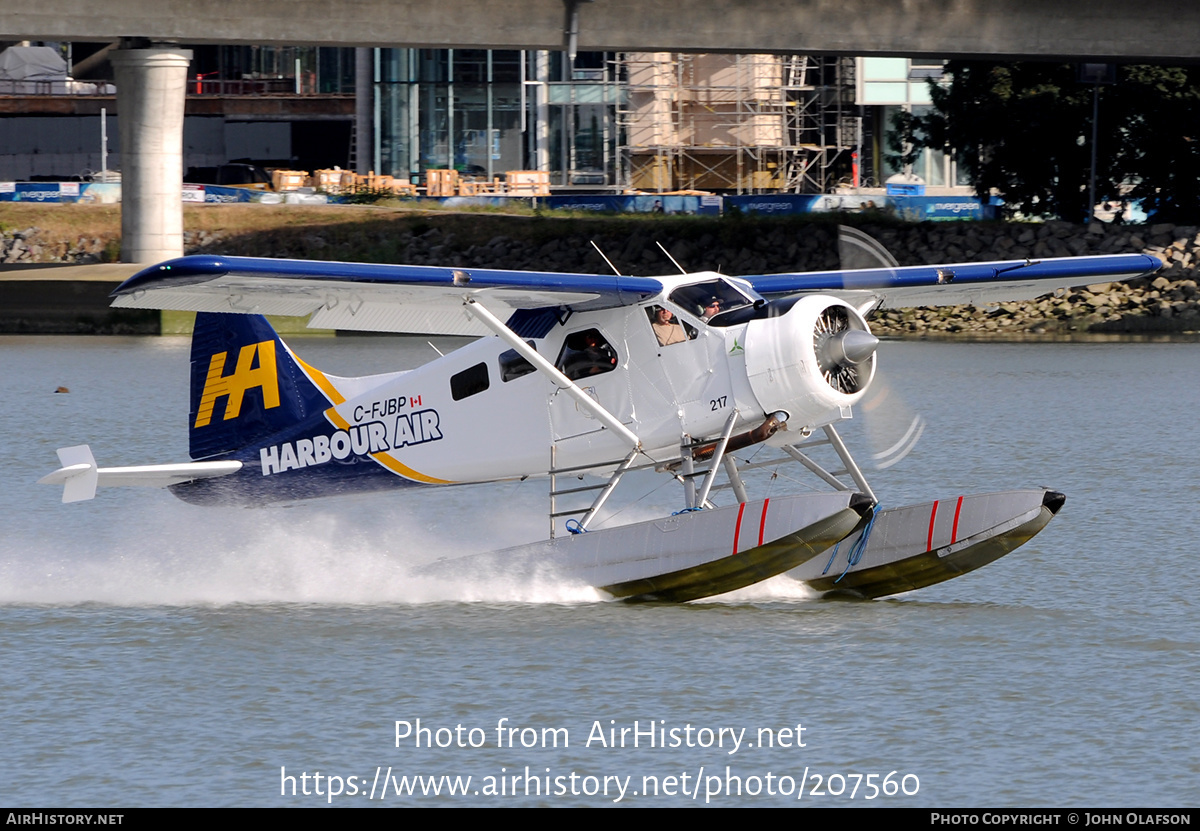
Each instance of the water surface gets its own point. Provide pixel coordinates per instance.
(158, 653)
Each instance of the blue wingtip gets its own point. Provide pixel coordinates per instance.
(197, 268)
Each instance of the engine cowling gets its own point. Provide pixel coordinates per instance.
(812, 361)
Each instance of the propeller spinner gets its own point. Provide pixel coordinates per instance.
(841, 349)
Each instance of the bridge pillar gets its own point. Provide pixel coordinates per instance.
(151, 84)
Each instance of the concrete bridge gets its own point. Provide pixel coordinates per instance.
(151, 69)
(1119, 30)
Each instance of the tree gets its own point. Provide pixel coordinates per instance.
(1160, 149)
(1024, 129)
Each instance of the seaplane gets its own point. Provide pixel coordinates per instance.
(583, 379)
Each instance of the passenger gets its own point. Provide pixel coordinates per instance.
(666, 328)
(595, 357)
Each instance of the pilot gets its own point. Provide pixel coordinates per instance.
(666, 328)
(711, 308)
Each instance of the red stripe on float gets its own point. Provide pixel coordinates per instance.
(737, 529)
(957, 510)
(762, 522)
(932, 517)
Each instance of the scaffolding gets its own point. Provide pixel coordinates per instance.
(736, 123)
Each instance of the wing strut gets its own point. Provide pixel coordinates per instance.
(550, 371)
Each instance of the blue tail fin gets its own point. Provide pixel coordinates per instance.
(246, 385)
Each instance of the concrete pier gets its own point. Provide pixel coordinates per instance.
(150, 96)
(53, 299)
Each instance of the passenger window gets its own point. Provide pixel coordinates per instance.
(469, 382)
(513, 366)
(586, 353)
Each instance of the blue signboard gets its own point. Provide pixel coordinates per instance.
(904, 189)
(939, 208)
(780, 203)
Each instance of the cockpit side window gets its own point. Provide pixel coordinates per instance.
(586, 353)
(667, 327)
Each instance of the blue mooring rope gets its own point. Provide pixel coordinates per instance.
(856, 551)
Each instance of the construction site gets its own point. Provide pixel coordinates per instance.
(737, 123)
(529, 124)
(457, 122)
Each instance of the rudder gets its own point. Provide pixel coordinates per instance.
(245, 385)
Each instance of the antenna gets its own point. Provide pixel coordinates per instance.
(606, 259)
(669, 257)
(434, 348)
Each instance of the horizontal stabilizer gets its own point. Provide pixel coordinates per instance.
(80, 476)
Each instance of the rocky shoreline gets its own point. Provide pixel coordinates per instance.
(1166, 302)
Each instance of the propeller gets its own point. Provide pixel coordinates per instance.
(892, 427)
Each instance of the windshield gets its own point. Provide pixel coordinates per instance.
(710, 298)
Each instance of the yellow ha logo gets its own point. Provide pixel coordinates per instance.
(243, 378)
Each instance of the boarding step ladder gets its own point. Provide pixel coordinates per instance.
(620, 468)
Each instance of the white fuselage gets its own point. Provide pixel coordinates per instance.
(480, 430)
(483, 412)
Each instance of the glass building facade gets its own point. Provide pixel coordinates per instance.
(890, 85)
(246, 70)
(483, 112)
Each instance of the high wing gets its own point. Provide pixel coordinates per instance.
(430, 299)
(369, 297)
(950, 285)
